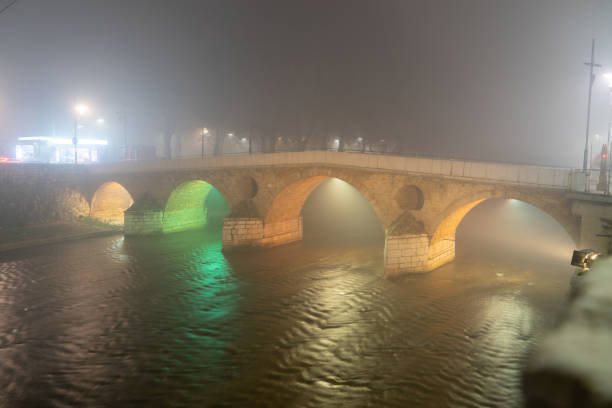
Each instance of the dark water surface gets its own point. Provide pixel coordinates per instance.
(173, 322)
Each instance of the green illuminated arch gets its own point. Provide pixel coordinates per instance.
(186, 208)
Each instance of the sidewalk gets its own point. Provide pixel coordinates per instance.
(35, 235)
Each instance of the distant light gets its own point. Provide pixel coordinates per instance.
(230, 134)
(604, 156)
(63, 141)
(100, 121)
(280, 138)
(608, 77)
(98, 142)
(359, 139)
(37, 138)
(244, 139)
(596, 136)
(336, 141)
(205, 131)
(81, 109)
(382, 140)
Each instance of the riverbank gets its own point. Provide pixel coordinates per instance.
(52, 233)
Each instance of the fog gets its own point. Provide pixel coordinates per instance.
(489, 80)
(512, 230)
(496, 229)
(336, 212)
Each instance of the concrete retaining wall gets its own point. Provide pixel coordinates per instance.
(31, 194)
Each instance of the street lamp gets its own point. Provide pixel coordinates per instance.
(81, 110)
(204, 133)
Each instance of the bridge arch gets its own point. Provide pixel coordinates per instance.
(109, 202)
(442, 241)
(186, 207)
(283, 220)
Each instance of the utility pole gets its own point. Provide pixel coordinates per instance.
(591, 64)
(204, 133)
(75, 140)
(122, 116)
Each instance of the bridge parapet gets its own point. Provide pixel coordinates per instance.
(517, 174)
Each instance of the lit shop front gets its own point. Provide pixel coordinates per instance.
(60, 150)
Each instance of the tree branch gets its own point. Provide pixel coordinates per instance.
(12, 3)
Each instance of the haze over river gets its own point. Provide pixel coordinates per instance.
(172, 321)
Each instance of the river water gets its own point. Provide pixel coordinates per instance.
(172, 321)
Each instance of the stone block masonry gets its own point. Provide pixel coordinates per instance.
(440, 253)
(283, 232)
(412, 253)
(406, 254)
(144, 222)
(242, 232)
(252, 232)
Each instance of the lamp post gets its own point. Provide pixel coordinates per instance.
(591, 64)
(80, 110)
(204, 133)
(608, 77)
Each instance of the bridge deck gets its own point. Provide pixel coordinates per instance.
(550, 177)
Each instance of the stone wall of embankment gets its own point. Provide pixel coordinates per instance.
(38, 194)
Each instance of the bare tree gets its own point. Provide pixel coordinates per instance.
(8, 6)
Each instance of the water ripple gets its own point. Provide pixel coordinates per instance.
(171, 321)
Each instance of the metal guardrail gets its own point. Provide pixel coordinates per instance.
(590, 181)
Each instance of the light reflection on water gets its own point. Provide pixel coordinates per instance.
(172, 321)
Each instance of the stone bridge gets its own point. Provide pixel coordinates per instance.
(419, 201)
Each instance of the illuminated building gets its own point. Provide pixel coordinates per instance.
(60, 150)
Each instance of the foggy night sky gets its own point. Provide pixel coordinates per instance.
(485, 79)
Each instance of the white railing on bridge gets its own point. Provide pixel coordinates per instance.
(550, 177)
